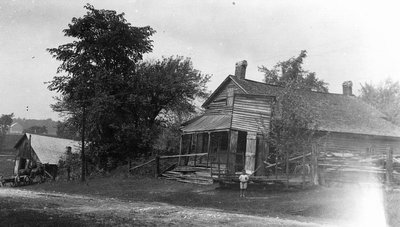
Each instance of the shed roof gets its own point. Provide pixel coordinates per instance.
(48, 149)
(209, 123)
(334, 112)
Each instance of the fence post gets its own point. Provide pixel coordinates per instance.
(389, 166)
(129, 165)
(276, 165)
(314, 162)
(303, 167)
(180, 149)
(287, 167)
(208, 148)
(157, 166)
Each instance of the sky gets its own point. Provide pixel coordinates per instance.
(345, 40)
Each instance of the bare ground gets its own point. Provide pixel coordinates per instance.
(31, 208)
(127, 200)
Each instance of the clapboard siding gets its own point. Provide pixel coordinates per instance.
(219, 108)
(224, 92)
(251, 113)
(359, 144)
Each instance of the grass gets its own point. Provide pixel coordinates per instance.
(323, 204)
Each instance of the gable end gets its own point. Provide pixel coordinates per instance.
(221, 92)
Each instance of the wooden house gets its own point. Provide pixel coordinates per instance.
(234, 129)
(46, 150)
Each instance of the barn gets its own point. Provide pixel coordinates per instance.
(233, 131)
(46, 150)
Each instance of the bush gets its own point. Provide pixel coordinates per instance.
(71, 166)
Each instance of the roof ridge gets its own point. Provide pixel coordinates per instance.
(279, 86)
(50, 136)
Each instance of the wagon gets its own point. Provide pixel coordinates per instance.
(10, 180)
(25, 178)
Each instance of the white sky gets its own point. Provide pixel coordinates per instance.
(345, 40)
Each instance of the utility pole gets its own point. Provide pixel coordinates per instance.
(83, 159)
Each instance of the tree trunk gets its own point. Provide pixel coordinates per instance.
(83, 158)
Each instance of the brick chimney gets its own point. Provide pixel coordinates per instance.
(347, 88)
(240, 71)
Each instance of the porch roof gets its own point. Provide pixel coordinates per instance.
(209, 123)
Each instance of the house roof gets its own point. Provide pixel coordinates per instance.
(209, 123)
(334, 112)
(48, 149)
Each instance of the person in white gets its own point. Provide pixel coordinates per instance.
(243, 178)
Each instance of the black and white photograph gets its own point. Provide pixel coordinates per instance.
(200, 113)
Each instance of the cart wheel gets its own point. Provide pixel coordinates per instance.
(27, 180)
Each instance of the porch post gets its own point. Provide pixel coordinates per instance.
(180, 149)
(250, 152)
(218, 156)
(208, 148)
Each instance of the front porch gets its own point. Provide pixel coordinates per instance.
(228, 152)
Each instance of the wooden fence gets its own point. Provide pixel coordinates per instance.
(357, 167)
(314, 167)
(157, 161)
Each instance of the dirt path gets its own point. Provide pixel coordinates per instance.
(47, 209)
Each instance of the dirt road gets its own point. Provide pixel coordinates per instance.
(30, 208)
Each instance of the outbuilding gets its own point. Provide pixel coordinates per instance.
(40, 149)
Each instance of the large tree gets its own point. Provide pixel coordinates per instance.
(294, 125)
(160, 89)
(291, 73)
(106, 87)
(5, 123)
(96, 67)
(101, 58)
(67, 129)
(385, 97)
